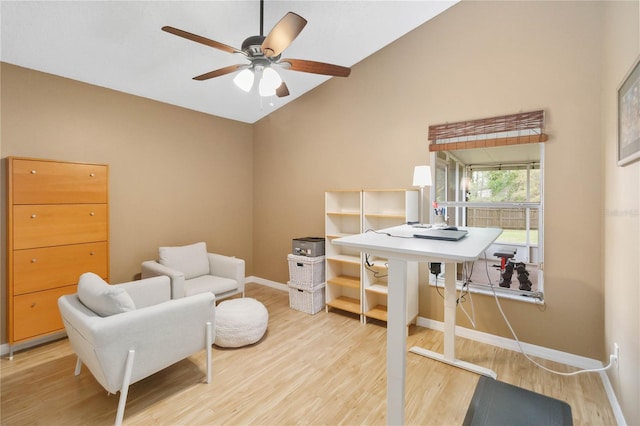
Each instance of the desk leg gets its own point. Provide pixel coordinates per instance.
(450, 307)
(450, 312)
(396, 340)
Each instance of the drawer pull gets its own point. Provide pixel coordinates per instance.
(92, 214)
(92, 253)
(92, 174)
(33, 305)
(33, 172)
(33, 216)
(34, 260)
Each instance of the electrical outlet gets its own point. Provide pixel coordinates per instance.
(616, 354)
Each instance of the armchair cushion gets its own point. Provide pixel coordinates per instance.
(191, 260)
(101, 298)
(214, 284)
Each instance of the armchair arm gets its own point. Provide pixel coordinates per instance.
(227, 267)
(161, 335)
(151, 268)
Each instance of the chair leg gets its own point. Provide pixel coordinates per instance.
(209, 343)
(78, 367)
(125, 387)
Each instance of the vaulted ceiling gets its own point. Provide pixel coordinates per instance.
(120, 45)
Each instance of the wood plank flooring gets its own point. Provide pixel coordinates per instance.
(308, 369)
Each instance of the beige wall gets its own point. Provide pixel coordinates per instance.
(621, 47)
(478, 59)
(176, 176)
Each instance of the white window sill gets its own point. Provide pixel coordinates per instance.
(511, 294)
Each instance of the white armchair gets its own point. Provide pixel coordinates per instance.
(193, 270)
(127, 332)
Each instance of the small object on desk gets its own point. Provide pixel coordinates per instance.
(440, 219)
(450, 228)
(421, 225)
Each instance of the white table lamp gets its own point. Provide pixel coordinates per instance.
(421, 178)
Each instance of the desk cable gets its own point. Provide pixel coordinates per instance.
(504, 316)
(434, 268)
(467, 279)
(409, 237)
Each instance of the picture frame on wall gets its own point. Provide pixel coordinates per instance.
(629, 116)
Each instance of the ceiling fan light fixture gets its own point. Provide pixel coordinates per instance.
(244, 79)
(269, 82)
(262, 52)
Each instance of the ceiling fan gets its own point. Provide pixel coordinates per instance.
(263, 54)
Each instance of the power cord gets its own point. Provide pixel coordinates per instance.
(389, 235)
(465, 287)
(436, 268)
(369, 267)
(504, 316)
(513, 333)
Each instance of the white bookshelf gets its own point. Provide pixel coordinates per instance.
(343, 217)
(352, 284)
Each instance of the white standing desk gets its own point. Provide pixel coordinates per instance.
(399, 247)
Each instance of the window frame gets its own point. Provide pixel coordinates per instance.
(459, 217)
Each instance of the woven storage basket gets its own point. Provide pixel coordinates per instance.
(308, 301)
(306, 273)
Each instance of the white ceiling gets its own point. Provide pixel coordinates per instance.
(119, 44)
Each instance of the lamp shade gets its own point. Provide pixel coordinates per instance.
(422, 176)
(244, 79)
(269, 82)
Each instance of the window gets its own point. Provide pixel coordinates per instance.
(489, 173)
(514, 192)
(497, 187)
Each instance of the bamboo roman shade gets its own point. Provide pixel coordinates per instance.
(514, 129)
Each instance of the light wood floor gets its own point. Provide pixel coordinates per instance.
(308, 369)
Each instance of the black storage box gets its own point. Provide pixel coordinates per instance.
(308, 246)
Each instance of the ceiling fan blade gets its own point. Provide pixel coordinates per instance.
(281, 36)
(219, 72)
(201, 40)
(315, 67)
(282, 90)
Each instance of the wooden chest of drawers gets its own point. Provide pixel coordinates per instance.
(58, 228)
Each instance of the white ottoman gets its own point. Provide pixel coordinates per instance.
(240, 322)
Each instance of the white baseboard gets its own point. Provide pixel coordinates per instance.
(613, 400)
(503, 342)
(267, 283)
(537, 351)
(5, 347)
